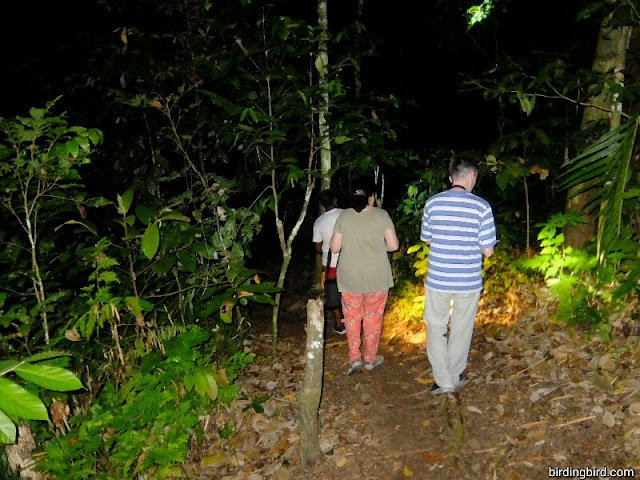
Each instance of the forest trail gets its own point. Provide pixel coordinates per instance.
(537, 397)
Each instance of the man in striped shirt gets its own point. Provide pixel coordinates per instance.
(459, 228)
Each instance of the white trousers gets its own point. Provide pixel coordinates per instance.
(455, 313)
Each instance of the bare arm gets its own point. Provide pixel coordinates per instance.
(487, 252)
(319, 247)
(336, 242)
(391, 240)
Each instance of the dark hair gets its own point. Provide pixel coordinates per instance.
(462, 165)
(361, 196)
(327, 199)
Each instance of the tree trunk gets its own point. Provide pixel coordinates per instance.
(610, 60)
(312, 384)
(322, 64)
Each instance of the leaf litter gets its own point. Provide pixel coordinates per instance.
(538, 395)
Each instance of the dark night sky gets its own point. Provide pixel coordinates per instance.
(421, 55)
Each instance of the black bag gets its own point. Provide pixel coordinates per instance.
(332, 297)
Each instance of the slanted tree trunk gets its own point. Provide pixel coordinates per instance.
(610, 60)
(312, 384)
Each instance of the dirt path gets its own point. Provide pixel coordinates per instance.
(537, 398)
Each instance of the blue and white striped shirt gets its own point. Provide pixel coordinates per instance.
(457, 225)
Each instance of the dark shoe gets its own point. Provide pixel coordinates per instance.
(371, 365)
(340, 330)
(438, 390)
(354, 366)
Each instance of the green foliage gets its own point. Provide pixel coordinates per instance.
(581, 284)
(40, 157)
(501, 271)
(604, 169)
(554, 258)
(408, 302)
(17, 402)
(146, 426)
(479, 13)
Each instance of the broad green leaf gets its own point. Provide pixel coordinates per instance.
(3, 298)
(175, 216)
(340, 139)
(16, 401)
(7, 430)
(151, 241)
(527, 102)
(52, 378)
(38, 357)
(321, 65)
(7, 366)
(125, 201)
(205, 384)
(145, 214)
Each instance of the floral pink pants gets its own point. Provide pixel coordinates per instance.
(366, 310)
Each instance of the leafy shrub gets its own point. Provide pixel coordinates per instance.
(145, 427)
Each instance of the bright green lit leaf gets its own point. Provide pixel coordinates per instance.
(205, 384)
(125, 201)
(340, 139)
(151, 241)
(321, 65)
(51, 378)
(479, 13)
(16, 401)
(7, 429)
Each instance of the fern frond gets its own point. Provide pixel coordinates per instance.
(604, 167)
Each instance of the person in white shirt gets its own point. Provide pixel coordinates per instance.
(322, 231)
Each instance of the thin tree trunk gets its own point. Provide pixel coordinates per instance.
(311, 391)
(610, 59)
(322, 64)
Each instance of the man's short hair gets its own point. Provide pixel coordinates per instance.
(462, 165)
(327, 198)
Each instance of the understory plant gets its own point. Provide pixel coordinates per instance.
(588, 291)
(145, 427)
(18, 398)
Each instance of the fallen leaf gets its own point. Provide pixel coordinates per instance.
(536, 458)
(608, 419)
(634, 408)
(537, 434)
(407, 472)
(606, 362)
(434, 457)
(473, 409)
(341, 461)
(211, 460)
(59, 412)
